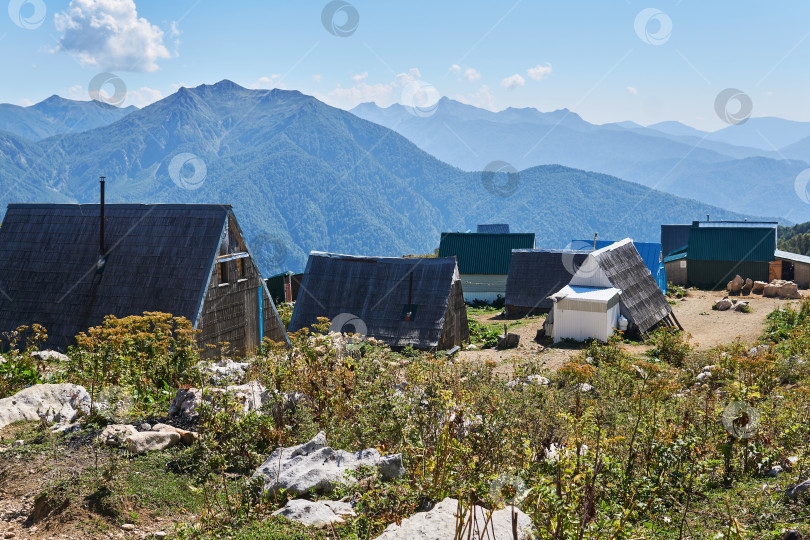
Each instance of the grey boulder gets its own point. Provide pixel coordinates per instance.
(723, 305)
(50, 356)
(317, 467)
(150, 441)
(441, 523)
(186, 437)
(795, 491)
(782, 289)
(251, 396)
(316, 514)
(223, 370)
(116, 434)
(51, 402)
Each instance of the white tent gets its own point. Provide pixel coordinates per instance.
(582, 312)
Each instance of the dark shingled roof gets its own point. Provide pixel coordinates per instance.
(498, 228)
(535, 274)
(160, 259)
(644, 302)
(376, 290)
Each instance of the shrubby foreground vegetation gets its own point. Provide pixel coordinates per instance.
(614, 446)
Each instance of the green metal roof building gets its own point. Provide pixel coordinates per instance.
(483, 260)
(717, 251)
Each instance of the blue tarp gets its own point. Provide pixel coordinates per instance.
(650, 253)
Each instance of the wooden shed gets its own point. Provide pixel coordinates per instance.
(401, 301)
(60, 269)
(284, 287)
(794, 267)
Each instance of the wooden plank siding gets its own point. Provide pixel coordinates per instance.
(168, 258)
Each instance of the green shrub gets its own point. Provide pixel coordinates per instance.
(146, 353)
(486, 335)
(19, 369)
(670, 345)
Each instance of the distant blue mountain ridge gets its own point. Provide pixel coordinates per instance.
(304, 176)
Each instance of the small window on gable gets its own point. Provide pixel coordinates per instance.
(240, 267)
(223, 273)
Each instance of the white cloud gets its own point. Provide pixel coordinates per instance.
(109, 35)
(143, 96)
(267, 83)
(379, 93)
(484, 98)
(403, 79)
(383, 94)
(25, 102)
(632, 90)
(512, 82)
(539, 71)
(317, 77)
(77, 92)
(174, 32)
(360, 77)
(470, 74)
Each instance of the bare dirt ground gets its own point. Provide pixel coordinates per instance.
(707, 329)
(710, 328)
(549, 356)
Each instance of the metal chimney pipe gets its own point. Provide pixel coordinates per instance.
(101, 214)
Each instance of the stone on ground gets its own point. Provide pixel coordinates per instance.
(150, 441)
(53, 402)
(223, 370)
(315, 466)
(723, 305)
(440, 523)
(759, 287)
(50, 356)
(252, 396)
(316, 514)
(796, 490)
(508, 341)
(746, 288)
(186, 437)
(780, 288)
(116, 434)
(735, 285)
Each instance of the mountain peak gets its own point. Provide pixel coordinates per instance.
(225, 85)
(52, 101)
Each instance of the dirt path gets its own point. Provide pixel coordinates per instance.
(710, 328)
(707, 329)
(548, 356)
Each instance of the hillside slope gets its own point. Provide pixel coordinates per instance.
(305, 176)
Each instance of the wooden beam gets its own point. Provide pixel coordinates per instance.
(676, 321)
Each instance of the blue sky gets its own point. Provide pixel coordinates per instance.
(585, 56)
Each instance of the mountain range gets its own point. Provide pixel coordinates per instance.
(57, 115)
(749, 168)
(303, 176)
